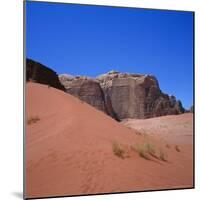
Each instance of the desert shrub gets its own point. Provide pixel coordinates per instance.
(137, 132)
(143, 153)
(150, 149)
(177, 148)
(117, 150)
(32, 120)
(162, 155)
(144, 150)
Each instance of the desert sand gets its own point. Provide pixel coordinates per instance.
(175, 129)
(70, 149)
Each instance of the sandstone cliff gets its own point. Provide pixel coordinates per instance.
(88, 90)
(123, 95)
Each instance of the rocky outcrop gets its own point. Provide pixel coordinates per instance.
(120, 95)
(137, 96)
(39, 73)
(88, 90)
(123, 95)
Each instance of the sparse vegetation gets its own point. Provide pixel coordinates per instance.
(137, 132)
(150, 149)
(177, 148)
(32, 120)
(145, 150)
(162, 155)
(117, 149)
(142, 152)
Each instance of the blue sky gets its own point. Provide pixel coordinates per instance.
(91, 40)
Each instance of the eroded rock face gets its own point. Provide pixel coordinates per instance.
(138, 96)
(39, 73)
(123, 95)
(88, 90)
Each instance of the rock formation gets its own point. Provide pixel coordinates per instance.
(39, 73)
(138, 96)
(123, 95)
(88, 90)
(120, 95)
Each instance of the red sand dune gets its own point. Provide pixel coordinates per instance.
(69, 151)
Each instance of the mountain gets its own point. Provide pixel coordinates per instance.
(123, 95)
(119, 95)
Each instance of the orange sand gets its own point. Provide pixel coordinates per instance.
(69, 151)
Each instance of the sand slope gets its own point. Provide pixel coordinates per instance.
(176, 129)
(69, 151)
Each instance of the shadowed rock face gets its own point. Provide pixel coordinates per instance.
(87, 90)
(39, 73)
(123, 95)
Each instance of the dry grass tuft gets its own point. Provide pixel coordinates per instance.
(32, 120)
(117, 149)
(142, 153)
(150, 149)
(177, 148)
(162, 155)
(145, 150)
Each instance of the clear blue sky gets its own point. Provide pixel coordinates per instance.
(91, 40)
